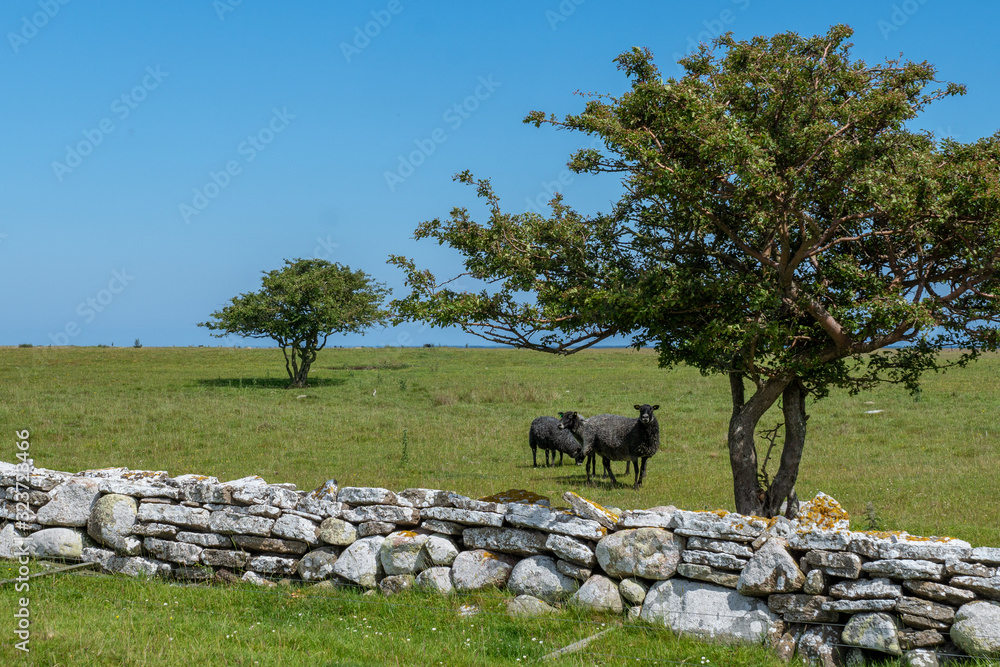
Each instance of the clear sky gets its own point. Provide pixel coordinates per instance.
(157, 156)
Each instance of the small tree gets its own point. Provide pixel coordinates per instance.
(299, 306)
(780, 224)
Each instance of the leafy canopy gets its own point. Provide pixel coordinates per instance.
(300, 306)
(780, 219)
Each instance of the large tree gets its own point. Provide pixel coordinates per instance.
(300, 306)
(782, 222)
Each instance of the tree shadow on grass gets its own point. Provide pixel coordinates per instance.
(268, 383)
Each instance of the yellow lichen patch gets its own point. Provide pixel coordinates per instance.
(407, 533)
(722, 514)
(605, 511)
(903, 536)
(514, 496)
(823, 512)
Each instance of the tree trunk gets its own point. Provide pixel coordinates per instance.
(748, 494)
(793, 406)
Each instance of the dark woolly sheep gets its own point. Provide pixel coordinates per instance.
(545, 434)
(616, 438)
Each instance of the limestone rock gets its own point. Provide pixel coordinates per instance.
(402, 516)
(137, 566)
(709, 611)
(437, 579)
(111, 521)
(230, 523)
(572, 549)
(718, 525)
(771, 570)
(550, 521)
(360, 562)
(12, 542)
(800, 608)
(505, 540)
(588, 509)
(464, 517)
(441, 550)
(271, 544)
(139, 488)
(866, 589)
(709, 574)
(317, 564)
(396, 583)
(205, 490)
(443, 527)
(177, 515)
(857, 606)
(911, 639)
(479, 569)
(370, 528)
(55, 543)
(815, 583)
(958, 567)
(738, 549)
(274, 565)
(573, 570)
(526, 605)
(939, 592)
(205, 540)
(836, 563)
(364, 495)
(873, 631)
(719, 561)
(650, 553)
(71, 503)
(294, 527)
(94, 555)
(925, 608)
(905, 569)
(823, 513)
(537, 576)
(253, 578)
(819, 646)
(986, 588)
(421, 498)
(986, 555)
(633, 591)
(920, 658)
(599, 594)
(175, 552)
(975, 629)
(402, 552)
(155, 530)
(936, 551)
(236, 560)
(337, 532)
(655, 517)
(471, 504)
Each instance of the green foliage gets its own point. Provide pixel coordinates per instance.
(780, 222)
(137, 344)
(780, 219)
(300, 306)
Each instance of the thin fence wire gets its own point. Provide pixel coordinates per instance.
(382, 601)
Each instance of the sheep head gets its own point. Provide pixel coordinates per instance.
(645, 412)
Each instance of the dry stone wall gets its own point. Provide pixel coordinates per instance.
(810, 585)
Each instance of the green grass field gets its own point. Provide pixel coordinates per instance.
(455, 419)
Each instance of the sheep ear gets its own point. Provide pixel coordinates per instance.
(636, 407)
(656, 407)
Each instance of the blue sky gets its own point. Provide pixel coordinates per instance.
(158, 156)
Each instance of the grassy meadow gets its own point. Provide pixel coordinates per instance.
(456, 419)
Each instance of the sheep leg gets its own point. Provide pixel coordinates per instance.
(591, 465)
(607, 469)
(628, 465)
(534, 456)
(554, 457)
(640, 476)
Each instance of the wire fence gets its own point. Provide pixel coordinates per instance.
(434, 604)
